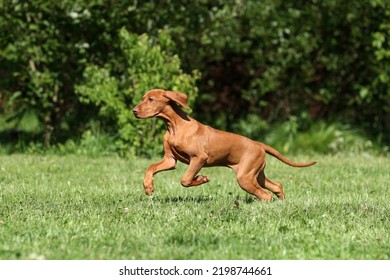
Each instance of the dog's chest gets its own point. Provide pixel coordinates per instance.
(179, 149)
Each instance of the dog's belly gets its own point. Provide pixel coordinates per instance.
(212, 161)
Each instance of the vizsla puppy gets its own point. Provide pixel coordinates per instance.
(198, 145)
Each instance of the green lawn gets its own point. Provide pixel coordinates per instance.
(74, 207)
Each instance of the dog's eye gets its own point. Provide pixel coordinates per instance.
(150, 99)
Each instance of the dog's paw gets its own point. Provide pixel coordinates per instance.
(149, 187)
(201, 179)
(205, 179)
(149, 191)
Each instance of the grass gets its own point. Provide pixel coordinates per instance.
(77, 207)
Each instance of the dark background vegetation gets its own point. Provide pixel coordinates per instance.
(300, 75)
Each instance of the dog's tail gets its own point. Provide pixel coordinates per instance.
(278, 155)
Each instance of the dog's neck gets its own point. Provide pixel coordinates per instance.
(172, 116)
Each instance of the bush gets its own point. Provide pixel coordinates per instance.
(320, 137)
(149, 64)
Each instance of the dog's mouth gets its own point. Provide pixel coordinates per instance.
(139, 116)
(136, 113)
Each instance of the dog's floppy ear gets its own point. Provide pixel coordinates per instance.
(178, 97)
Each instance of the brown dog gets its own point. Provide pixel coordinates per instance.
(200, 145)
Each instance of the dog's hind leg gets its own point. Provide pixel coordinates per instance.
(274, 187)
(249, 184)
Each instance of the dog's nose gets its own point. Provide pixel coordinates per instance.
(135, 112)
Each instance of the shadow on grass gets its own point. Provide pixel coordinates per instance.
(204, 199)
(197, 199)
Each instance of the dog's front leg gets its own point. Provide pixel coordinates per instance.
(190, 178)
(167, 163)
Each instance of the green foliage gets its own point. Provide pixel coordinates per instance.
(148, 64)
(326, 58)
(270, 60)
(321, 137)
(335, 138)
(381, 44)
(302, 136)
(40, 60)
(93, 143)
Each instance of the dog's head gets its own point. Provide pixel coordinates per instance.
(155, 101)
